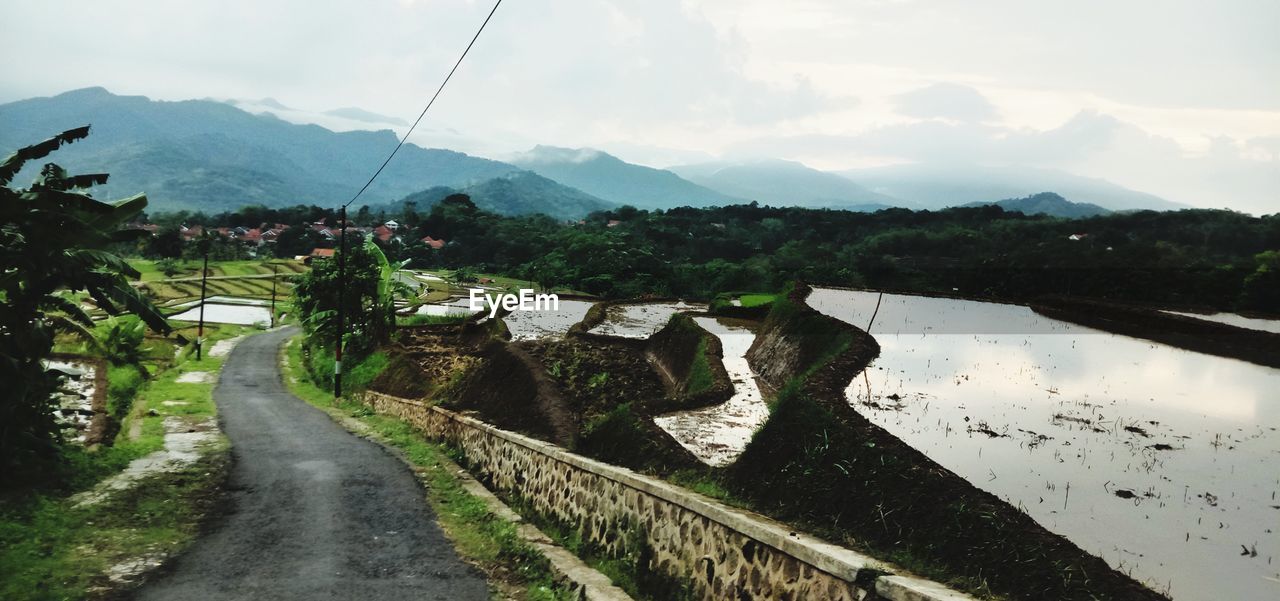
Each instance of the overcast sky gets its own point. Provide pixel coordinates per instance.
(1175, 97)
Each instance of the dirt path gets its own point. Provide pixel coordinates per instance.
(314, 512)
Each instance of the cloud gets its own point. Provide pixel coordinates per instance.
(946, 101)
(1242, 174)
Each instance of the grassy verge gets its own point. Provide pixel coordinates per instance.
(52, 548)
(478, 534)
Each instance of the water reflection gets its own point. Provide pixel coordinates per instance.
(1159, 460)
(717, 435)
(1252, 323)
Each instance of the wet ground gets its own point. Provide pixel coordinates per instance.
(641, 320)
(1231, 319)
(717, 435)
(538, 324)
(1159, 460)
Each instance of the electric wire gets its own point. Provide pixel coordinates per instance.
(428, 107)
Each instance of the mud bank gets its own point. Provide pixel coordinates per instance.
(691, 361)
(820, 463)
(1199, 335)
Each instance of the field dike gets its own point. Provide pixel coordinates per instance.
(1200, 335)
(820, 464)
(713, 550)
(691, 361)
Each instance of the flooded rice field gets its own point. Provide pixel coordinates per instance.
(457, 306)
(717, 435)
(1164, 462)
(1231, 319)
(537, 324)
(641, 320)
(74, 396)
(239, 313)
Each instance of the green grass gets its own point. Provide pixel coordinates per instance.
(477, 533)
(699, 378)
(756, 300)
(424, 320)
(51, 549)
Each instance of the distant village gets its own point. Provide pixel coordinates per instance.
(322, 238)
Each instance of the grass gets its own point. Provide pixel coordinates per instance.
(628, 571)
(478, 534)
(425, 320)
(52, 549)
(756, 300)
(700, 378)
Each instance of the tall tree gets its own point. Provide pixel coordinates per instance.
(52, 237)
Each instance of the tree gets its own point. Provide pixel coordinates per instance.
(52, 237)
(368, 298)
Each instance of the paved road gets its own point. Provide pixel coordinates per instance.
(316, 513)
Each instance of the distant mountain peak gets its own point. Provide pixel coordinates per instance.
(605, 176)
(1047, 203)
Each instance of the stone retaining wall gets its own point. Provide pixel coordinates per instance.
(725, 553)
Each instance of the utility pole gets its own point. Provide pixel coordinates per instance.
(204, 281)
(342, 284)
(275, 269)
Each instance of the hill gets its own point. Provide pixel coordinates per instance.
(938, 186)
(786, 183)
(517, 193)
(1047, 203)
(610, 178)
(211, 156)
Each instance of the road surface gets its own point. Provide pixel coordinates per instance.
(315, 512)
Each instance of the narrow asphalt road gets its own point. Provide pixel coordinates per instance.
(315, 512)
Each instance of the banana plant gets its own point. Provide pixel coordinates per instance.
(53, 237)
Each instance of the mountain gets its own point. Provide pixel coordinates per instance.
(785, 183)
(938, 186)
(518, 193)
(1046, 203)
(608, 177)
(211, 156)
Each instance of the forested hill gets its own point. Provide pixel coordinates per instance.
(1206, 258)
(613, 179)
(211, 156)
(1046, 203)
(516, 193)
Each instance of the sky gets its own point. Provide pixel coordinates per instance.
(1177, 98)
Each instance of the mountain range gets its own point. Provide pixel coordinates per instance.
(615, 180)
(786, 183)
(213, 155)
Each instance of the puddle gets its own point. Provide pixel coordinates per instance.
(717, 435)
(1231, 319)
(641, 320)
(245, 315)
(1161, 461)
(533, 325)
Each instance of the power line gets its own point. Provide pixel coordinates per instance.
(429, 103)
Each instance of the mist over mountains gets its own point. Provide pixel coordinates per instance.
(213, 156)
